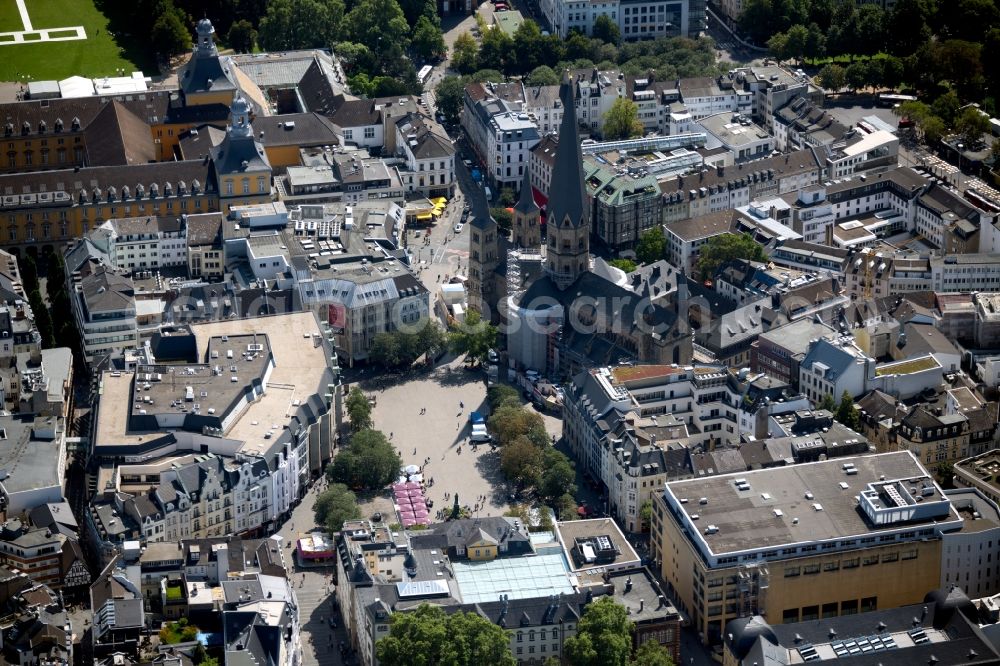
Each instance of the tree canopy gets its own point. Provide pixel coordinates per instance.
(500, 395)
(464, 54)
(652, 246)
(242, 36)
(528, 49)
(335, 506)
(170, 33)
(300, 24)
(474, 337)
(180, 631)
(603, 636)
(832, 77)
(512, 420)
(521, 462)
(401, 348)
(558, 476)
(847, 413)
(622, 120)
(543, 75)
(359, 410)
(724, 247)
(652, 653)
(370, 462)
(427, 636)
(971, 124)
(606, 30)
(427, 41)
(448, 96)
(931, 45)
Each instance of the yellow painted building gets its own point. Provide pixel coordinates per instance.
(481, 546)
(207, 78)
(239, 164)
(58, 206)
(801, 542)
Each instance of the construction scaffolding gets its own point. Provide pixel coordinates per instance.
(514, 281)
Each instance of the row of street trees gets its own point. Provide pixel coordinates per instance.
(527, 458)
(930, 45)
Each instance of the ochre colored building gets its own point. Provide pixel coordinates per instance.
(801, 542)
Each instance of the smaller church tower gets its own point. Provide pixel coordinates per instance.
(484, 258)
(527, 217)
(568, 222)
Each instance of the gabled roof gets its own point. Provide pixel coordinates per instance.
(117, 136)
(877, 404)
(357, 113)
(835, 358)
(106, 291)
(425, 139)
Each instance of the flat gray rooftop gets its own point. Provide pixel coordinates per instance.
(571, 530)
(215, 382)
(748, 519)
(29, 459)
(300, 361)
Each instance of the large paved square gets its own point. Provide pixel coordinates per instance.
(433, 439)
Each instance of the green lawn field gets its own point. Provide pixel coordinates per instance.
(98, 55)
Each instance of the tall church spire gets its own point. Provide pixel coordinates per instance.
(568, 197)
(568, 221)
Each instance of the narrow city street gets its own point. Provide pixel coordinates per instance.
(314, 590)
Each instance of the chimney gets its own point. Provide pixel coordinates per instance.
(628, 585)
(642, 604)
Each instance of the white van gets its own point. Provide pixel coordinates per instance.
(479, 434)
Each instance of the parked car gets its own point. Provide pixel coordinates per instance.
(458, 227)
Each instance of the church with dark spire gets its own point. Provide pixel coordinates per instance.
(568, 220)
(582, 313)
